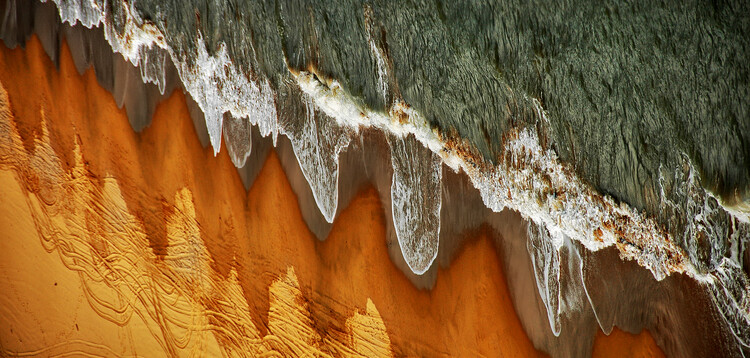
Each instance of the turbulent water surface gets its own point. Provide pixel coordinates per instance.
(619, 131)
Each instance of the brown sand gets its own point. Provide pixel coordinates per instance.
(623, 344)
(124, 243)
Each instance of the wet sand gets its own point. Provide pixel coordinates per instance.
(623, 344)
(140, 243)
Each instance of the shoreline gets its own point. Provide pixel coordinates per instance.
(260, 233)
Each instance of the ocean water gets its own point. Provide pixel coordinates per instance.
(615, 132)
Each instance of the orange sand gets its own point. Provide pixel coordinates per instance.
(217, 268)
(623, 344)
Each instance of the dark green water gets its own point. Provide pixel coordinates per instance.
(628, 86)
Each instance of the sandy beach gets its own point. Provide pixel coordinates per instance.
(123, 243)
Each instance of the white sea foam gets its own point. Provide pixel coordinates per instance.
(214, 82)
(378, 55)
(535, 183)
(317, 142)
(140, 42)
(87, 12)
(731, 293)
(741, 210)
(416, 199)
(545, 257)
(218, 87)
